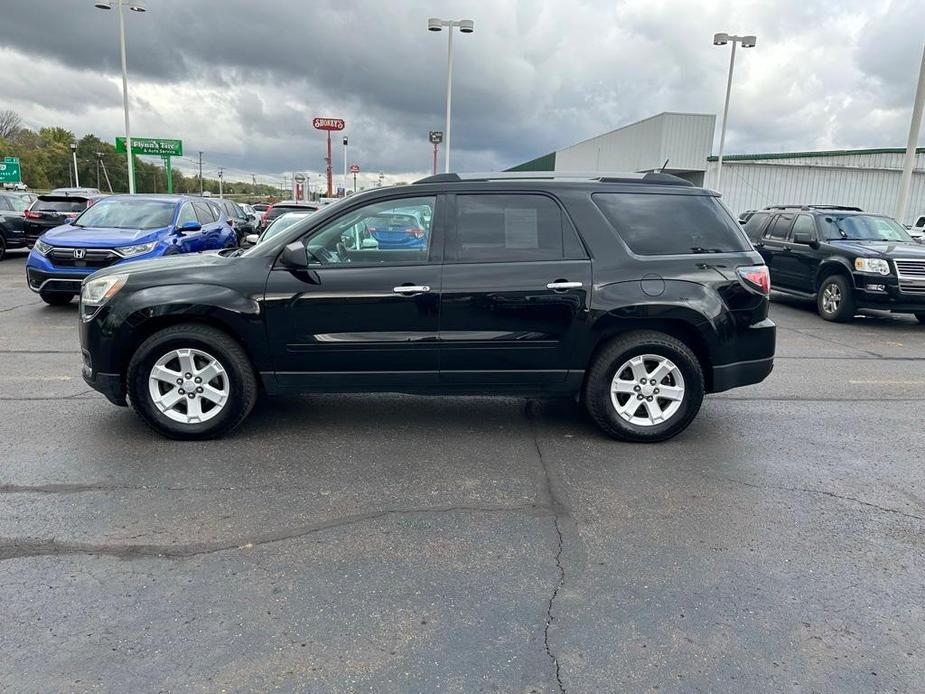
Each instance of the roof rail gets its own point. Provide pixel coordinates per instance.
(599, 176)
(845, 208)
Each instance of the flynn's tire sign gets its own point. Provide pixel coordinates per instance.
(328, 123)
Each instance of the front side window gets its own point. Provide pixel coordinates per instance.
(128, 214)
(187, 214)
(507, 228)
(804, 225)
(204, 213)
(670, 224)
(387, 232)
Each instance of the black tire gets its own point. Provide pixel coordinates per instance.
(242, 381)
(56, 299)
(845, 307)
(2, 247)
(920, 317)
(610, 358)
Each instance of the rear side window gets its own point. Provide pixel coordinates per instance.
(510, 228)
(754, 225)
(664, 224)
(780, 227)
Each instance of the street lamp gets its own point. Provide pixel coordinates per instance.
(465, 26)
(135, 6)
(722, 39)
(76, 175)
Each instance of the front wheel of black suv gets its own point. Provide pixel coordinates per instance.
(55, 299)
(644, 387)
(835, 300)
(920, 317)
(191, 382)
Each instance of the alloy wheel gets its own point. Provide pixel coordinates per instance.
(646, 390)
(831, 298)
(188, 386)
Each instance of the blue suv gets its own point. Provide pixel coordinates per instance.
(121, 229)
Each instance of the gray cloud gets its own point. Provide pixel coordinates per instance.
(241, 80)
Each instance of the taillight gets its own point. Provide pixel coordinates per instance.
(266, 213)
(417, 231)
(755, 277)
(29, 214)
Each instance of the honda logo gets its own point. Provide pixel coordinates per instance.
(79, 253)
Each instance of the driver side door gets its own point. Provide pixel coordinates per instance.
(360, 317)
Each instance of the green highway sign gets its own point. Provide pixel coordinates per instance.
(9, 170)
(154, 146)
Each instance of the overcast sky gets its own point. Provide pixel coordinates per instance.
(242, 79)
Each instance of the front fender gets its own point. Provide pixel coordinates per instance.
(833, 263)
(126, 323)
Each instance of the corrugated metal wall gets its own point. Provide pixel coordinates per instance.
(683, 138)
(869, 181)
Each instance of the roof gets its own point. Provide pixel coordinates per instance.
(806, 155)
(570, 176)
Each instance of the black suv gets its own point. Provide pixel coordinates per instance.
(638, 293)
(843, 258)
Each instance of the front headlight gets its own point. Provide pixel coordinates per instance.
(140, 249)
(41, 247)
(875, 265)
(97, 292)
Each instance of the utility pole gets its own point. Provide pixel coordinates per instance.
(98, 156)
(254, 182)
(221, 190)
(105, 172)
(915, 126)
(200, 174)
(345, 166)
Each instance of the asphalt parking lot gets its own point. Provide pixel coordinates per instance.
(397, 543)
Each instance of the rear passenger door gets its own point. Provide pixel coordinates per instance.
(516, 286)
(798, 261)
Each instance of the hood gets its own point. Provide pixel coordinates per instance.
(100, 237)
(882, 249)
(190, 262)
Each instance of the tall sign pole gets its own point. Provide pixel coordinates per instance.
(329, 124)
(354, 169)
(905, 183)
(436, 137)
(345, 166)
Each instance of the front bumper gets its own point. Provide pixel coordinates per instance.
(55, 282)
(110, 385)
(904, 295)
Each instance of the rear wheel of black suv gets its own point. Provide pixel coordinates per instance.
(835, 300)
(191, 382)
(55, 298)
(644, 387)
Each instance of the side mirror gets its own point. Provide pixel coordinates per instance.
(805, 239)
(294, 256)
(188, 227)
(251, 239)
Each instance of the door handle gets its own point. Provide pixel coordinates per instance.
(562, 284)
(411, 289)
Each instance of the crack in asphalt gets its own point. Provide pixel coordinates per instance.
(13, 548)
(831, 341)
(558, 509)
(13, 308)
(822, 492)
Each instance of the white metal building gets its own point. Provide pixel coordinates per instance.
(865, 178)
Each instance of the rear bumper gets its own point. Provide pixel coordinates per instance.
(742, 373)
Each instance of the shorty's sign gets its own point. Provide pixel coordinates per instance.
(328, 124)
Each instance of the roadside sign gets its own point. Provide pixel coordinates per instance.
(154, 146)
(436, 136)
(9, 170)
(354, 168)
(328, 124)
(299, 178)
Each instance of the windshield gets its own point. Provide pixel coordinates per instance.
(128, 214)
(282, 223)
(862, 227)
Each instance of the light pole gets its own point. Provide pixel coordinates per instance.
(345, 166)
(74, 156)
(135, 6)
(465, 26)
(722, 39)
(905, 183)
